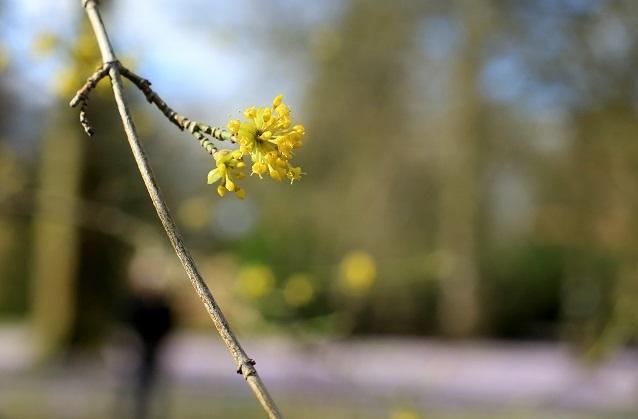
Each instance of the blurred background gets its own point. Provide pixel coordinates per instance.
(464, 244)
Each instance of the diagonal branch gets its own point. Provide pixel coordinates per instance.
(145, 86)
(197, 129)
(245, 365)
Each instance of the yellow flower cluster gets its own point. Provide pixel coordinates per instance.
(229, 165)
(268, 137)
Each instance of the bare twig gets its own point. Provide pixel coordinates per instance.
(197, 129)
(82, 97)
(245, 365)
(145, 86)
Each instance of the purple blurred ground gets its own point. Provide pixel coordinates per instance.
(534, 374)
(481, 375)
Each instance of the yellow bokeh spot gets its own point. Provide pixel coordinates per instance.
(143, 120)
(65, 83)
(298, 290)
(86, 48)
(325, 43)
(44, 44)
(255, 281)
(404, 413)
(194, 213)
(357, 272)
(129, 61)
(4, 59)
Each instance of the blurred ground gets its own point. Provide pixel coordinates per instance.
(352, 379)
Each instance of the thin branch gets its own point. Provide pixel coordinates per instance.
(245, 365)
(82, 97)
(145, 86)
(197, 129)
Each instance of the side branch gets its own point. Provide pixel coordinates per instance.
(145, 86)
(82, 96)
(197, 129)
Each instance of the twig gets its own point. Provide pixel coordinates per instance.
(145, 86)
(82, 97)
(245, 365)
(197, 129)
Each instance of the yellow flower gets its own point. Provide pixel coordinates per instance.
(259, 168)
(234, 125)
(269, 138)
(229, 167)
(294, 174)
(277, 100)
(240, 193)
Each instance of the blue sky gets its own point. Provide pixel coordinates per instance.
(210, 55)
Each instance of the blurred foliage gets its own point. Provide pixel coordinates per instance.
(468, 162)
(522, 290)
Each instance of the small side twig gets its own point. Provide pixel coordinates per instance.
(82, 97)
(197, 129)
(145, 86)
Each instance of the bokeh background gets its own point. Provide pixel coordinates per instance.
(465, 242)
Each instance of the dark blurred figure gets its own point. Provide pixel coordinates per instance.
(150, 317)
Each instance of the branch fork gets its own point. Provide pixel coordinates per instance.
(82, 96)
(196, 129)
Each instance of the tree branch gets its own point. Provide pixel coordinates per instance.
(82, 97)
(245, 365)
(197, 129)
